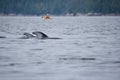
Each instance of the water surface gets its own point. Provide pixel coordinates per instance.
(89, 48)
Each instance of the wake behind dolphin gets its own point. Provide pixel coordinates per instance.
(27, 36)
(41, 35)
(2, 37)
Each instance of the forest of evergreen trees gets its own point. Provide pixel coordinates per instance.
(59, 7)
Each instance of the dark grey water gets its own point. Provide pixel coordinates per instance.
(89, 49)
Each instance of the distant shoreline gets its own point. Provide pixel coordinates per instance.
(68, 14)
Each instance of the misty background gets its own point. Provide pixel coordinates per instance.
(59, 7)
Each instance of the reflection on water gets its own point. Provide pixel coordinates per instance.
(89, 49)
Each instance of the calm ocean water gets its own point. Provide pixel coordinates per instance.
(89, 48)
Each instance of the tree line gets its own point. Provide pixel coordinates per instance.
(59, 7)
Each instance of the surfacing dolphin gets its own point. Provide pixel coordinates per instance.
(41, 35)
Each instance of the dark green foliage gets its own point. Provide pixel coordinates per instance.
(59, 7)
